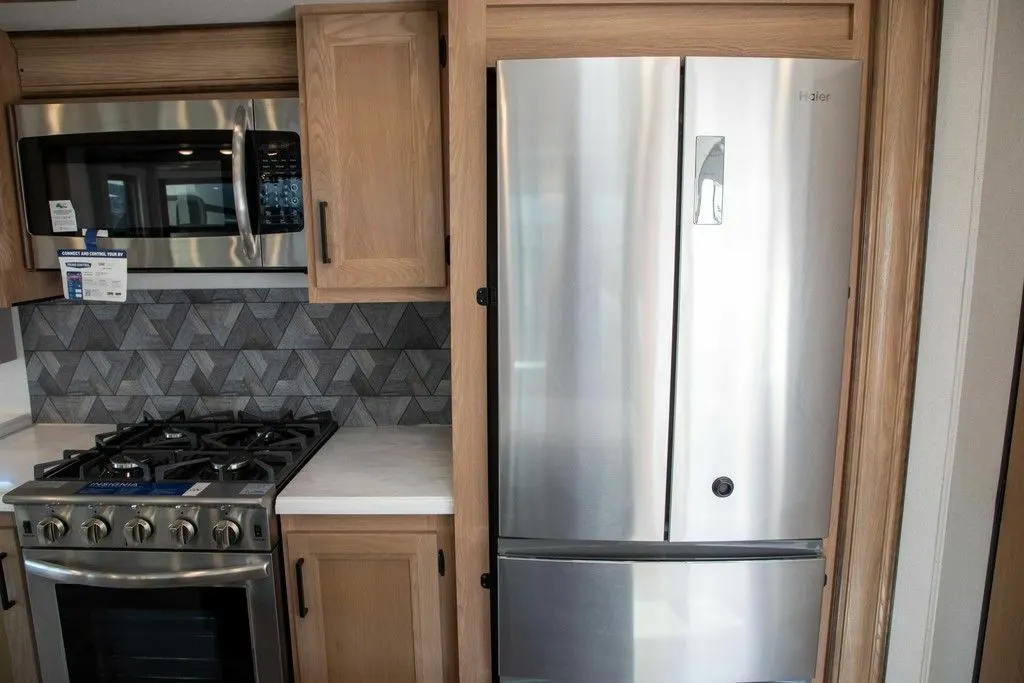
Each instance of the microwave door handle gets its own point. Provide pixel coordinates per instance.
(60, 573)
(242, 125)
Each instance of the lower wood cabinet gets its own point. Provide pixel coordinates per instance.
(371, 599)
(18, 663)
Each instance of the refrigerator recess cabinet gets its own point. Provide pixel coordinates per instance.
(671, 246)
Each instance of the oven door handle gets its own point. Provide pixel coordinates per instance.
(195, 577)
(242, 125)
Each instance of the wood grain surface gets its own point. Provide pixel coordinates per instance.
(467, 216)
(370, 90)
(17, 283)
(157, 60)
(17, 621)
(1002, 657)
(772, 30)
(374, 607)
(897, 178)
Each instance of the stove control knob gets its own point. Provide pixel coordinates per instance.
(95, 529)
(137, 531)
(226, 533)
(52, 529)
(182, 530)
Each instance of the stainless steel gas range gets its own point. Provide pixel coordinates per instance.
(154, 555)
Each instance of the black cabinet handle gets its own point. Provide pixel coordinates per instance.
(5, 602)
(323, 233)
(300, 588)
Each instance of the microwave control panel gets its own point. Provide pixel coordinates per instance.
(280, 179)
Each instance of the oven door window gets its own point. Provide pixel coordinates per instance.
(198, 634)
(142, 184)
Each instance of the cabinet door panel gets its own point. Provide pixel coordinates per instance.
(17, 636)
(371, 95)
(374, 610)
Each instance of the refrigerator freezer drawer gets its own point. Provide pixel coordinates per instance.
(571, 621)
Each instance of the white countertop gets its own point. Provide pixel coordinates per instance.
(375, 471)
(21, 451)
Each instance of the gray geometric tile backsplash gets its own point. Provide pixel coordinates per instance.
(264, 351)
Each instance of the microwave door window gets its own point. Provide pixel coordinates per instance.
(141, 184)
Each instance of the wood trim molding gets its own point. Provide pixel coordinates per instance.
(897, 179)
(369, 7)
(535, 3)
(467, 212)
(710, 28)
(166, 60)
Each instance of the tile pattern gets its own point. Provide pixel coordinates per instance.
(262, 350)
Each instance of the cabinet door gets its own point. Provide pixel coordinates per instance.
(18, 659)
(372, 607)
(370, 91)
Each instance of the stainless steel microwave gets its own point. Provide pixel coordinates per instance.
(179, 184)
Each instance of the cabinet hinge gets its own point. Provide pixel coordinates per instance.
(442, 49)
(485, 581)
(487, 296)
(448, 249)
(440, 562)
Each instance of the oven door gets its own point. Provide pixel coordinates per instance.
(108, 615)
(179, 184)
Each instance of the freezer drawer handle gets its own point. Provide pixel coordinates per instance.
(5, 601)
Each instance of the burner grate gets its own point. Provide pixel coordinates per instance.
(217, 447)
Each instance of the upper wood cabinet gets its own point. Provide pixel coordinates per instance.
(17, 282)
(372, 155)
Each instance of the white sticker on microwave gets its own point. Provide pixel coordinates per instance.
(62, 216)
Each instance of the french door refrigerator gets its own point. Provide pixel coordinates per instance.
(670, 258)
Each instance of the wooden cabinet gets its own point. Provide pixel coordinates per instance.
(17, 282)
(372, 154)
(17, 640)
(368, 600)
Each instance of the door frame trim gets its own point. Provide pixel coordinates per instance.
(897, 180)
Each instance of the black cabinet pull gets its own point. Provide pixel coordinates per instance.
(5, 602)
(300, 588)
(323, 233)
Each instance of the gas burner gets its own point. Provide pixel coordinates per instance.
(230, 462)
(122, 461)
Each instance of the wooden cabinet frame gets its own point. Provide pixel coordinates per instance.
(384, 534)
(898, 42)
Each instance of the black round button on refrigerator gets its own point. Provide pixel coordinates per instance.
(722, 487)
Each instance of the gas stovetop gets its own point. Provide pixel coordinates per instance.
(221, 447)
(180, 483)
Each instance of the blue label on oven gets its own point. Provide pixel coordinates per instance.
(134, 488)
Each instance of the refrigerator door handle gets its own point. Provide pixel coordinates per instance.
(709, 180)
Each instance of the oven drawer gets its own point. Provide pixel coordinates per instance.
(710, 621)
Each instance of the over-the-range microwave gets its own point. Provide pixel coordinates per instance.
(190, 184)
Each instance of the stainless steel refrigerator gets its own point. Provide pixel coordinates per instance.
(671, 262)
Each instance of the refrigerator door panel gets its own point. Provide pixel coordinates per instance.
(658, 622)
(587, 157)
(767, 202)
